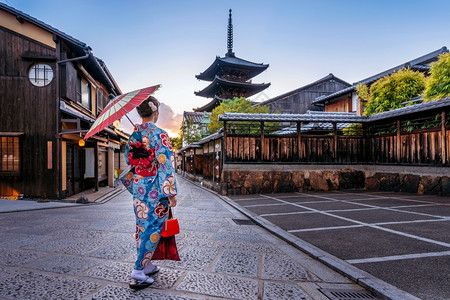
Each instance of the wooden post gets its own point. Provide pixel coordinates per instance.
(443, 138)
(96, 165)
(335, 141)
(194, 170)
(262, 141)
(399, 142)
(110, 167)
(299, 140)
(224, 143)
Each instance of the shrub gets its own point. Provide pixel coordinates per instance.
(352, 129)
(391, 91)
(438, 85)
(237, 105)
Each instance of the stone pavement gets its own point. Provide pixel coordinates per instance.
(87, 252)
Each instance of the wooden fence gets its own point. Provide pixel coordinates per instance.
(421, 147)
(416, 139)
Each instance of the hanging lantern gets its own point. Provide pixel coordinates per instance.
(81, 142)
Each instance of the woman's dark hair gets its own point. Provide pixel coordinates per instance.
(148, 107)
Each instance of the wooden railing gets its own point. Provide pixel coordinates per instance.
(419, 147)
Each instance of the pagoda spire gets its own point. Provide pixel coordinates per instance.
(230, 52)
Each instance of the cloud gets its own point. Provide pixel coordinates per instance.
(167, 120)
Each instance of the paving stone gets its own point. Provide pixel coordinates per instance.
(237, 263)
(239, 237)
(88, 234)
(52, 245)
(126, 227)
(194, 234)
(282, 267)
(281, 291)
(219, 286)
(14, 257)
(85, 246)
(21, 241)
(191, 242)
(120, 293)
(194, 258)
(114, 271)
(242, 229)
(36, 286)
(195, 227)
(35, 230)
(121, 237)
(252, 247)
(6, 272)
(64, 264)
(102, 225)
(166, 278)
(5, 237)
(116, 251)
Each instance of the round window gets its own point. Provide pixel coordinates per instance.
(40, 74)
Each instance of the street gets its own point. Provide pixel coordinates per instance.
(398, 237)
(88, 251)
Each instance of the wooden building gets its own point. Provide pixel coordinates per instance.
(346, 99)
(230, 77)
(51, 90)
(300, 100)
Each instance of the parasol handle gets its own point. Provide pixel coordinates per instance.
(129, 120)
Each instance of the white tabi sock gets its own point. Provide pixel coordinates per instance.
(149, 268)
(139, 275)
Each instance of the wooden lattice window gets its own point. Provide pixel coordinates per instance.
(10, 155)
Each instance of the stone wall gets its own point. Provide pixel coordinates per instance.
(266, 179)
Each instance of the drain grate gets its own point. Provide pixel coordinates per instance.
(243, 222)
(336, 294)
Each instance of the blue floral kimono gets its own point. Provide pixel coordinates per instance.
(151, 181)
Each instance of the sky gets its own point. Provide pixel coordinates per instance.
(147, 42)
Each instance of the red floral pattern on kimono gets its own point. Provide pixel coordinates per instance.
(160, 210)
(165, 140)
(142, 157)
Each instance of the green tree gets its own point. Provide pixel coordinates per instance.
(237, 105)
(438, 84)
(190, 132)
(352, 129)
(177, 142)
(391, 91)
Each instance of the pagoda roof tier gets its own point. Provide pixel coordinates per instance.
(221, 64)
(208, 107)
(219, 88)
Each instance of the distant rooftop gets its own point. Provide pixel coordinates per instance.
(338, 117)
(305, 87)
(420, 63)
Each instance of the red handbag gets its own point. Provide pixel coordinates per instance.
(166, 249)
(170, 226)
(167, 246)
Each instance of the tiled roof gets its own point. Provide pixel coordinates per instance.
(313, 116)
(196, 117)
(211, 137)
(309, 117)
(250, 88)
(414, 64)
(233, 62)
(313, 126)
(293, 92)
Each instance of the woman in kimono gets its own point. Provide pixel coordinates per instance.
(153, 186)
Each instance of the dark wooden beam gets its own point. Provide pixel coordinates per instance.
(443, 138)
(262, 141)
(399, 142)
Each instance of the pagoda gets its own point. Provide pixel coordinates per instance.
(230, 77)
